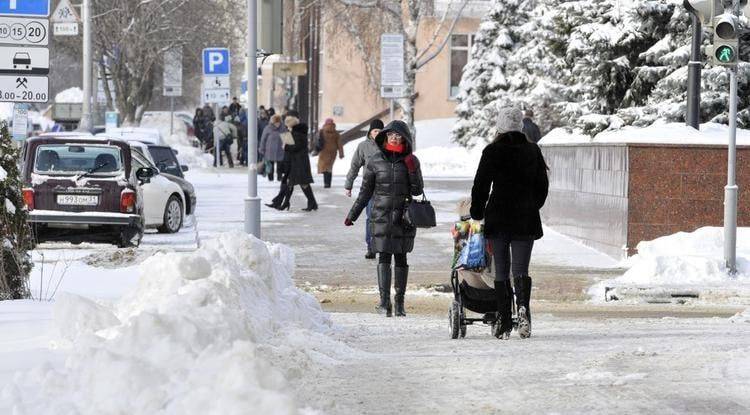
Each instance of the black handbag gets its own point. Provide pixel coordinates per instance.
(419, 214)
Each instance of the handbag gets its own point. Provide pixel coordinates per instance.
(419, 214)
(474, 254)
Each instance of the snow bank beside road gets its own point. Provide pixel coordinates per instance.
(187, 154)
(219, 330)
(685, 260)
(657, 133)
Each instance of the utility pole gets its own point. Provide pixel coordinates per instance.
(86, 123)
(692, 118)
(252, 201)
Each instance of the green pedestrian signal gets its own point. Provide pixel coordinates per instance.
(725, 54)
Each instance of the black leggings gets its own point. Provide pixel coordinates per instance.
(385, 258)
(511, 253)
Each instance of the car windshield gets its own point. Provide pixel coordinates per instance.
(165, 160)
(69, 159)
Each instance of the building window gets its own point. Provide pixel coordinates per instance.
(460, 49)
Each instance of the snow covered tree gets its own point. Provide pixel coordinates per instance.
(15, 234)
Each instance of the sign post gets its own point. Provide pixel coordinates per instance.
(23, 66)
(252, 201)
(20, 121)
(216, 71)
(172, 80)
(392, 82)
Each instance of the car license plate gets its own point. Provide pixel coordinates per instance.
(78, 200)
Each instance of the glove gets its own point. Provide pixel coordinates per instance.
(411, 163)
(348, 222)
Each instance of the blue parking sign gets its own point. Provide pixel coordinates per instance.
(35, 8)
(216, 61)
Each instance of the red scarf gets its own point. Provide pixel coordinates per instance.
(398, 148)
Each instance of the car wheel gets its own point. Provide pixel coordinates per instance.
(172, 216)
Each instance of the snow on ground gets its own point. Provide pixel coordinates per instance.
(685, 260)
(743, 317)
(187, 154)
(219, 330)
(438, 156)
(70, 96)
(659, 132)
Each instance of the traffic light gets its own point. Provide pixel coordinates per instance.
(726, 41)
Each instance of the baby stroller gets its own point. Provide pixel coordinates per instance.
(471, 290)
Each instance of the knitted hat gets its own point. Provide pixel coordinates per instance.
(375, 124)
(509, 119)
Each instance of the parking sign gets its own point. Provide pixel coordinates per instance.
(216, 61)
(34, 8)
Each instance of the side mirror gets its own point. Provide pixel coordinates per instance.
(184, 167)
(144, 174)
(175, 152)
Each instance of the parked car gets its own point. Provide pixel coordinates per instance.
(84, 188)
(147, 135)
(163, 200)
(164, 158)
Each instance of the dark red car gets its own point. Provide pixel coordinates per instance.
(80, 188)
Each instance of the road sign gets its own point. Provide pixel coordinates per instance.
(65, 29)
(216, 61)
(172, 78)
(64, 13)
(216, 82)
(111, 120)
(34, 8)
(392, 60)
(284, 69)
(22, 88)
(24, 60)
(393, 92)
(216, 96)
(20, 31)
(20, 121)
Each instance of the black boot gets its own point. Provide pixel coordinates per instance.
(369, 254)
(504, 325)
(276, 201)
(311, 203)
(327, 177)
(287, 198)
(523, 292)
(384, 286)
(400, 276)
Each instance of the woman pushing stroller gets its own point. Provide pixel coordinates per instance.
(390, 179)
(515, 170)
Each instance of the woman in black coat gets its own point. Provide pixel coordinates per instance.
(515, 170)
(391, 178)
(295, 168)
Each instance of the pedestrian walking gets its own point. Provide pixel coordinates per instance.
(208, 113)
(262, 123)
(235, 107)
(390, 179)
(297, 167)
(226, 132)
(365, 150)
(329, 143)
(199, 126)
(272, 147)
(515, 171)
(243, 138)
(530, 128)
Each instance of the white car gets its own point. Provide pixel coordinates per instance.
(145, 135)
(163, 200)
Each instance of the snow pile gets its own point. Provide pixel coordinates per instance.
(684, 260)
(186, 153)
(659, 133)
(70, 96)
(160, 120)
(3, 173)
(220, 330)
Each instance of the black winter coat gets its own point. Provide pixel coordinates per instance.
(297, 158)
(515, 170)
(388, 182)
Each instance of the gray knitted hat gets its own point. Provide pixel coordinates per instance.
(509, 119)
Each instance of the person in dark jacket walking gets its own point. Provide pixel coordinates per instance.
(515, 170)
(390, 179)
(271, 146)
(530, 129)
(297, 167)
(365, 150)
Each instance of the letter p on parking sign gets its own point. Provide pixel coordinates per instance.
(216, 61)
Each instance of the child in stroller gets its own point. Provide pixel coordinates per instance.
(471, 289)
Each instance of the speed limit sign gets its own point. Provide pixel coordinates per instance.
(21, 31)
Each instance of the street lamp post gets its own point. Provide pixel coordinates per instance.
(252, 201)
(86, 122)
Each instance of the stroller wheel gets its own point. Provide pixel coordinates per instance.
(454, 319)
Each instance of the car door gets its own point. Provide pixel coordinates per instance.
(155, 193)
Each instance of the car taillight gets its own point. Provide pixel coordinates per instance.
(28, 198)
(127, 201)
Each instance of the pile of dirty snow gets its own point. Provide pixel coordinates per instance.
(220, 330)
(743, 317)
(685, 260)
(187, 154)
(70, 96)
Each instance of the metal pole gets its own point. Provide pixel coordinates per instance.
(217, 151)
(86, 123)
(731, 190)
(692, 117)
(171, 116)
(252, 201)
